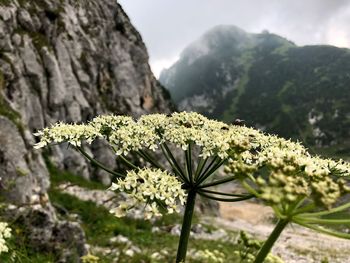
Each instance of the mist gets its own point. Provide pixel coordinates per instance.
(167, 27)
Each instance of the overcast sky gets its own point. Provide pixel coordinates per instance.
(168, 26)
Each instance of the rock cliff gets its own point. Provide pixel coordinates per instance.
(64, 61)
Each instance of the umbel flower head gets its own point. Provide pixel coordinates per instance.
(276, 170)
(126, 135)
(149, 190)
(282, 171)
(214, 139)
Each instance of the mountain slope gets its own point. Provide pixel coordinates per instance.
(64, 61)
(297, 92)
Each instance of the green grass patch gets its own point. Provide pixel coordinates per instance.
(20, 249)
(58, 177)
(6, 110)
(100, 226)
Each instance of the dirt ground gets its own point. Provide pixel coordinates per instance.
(295, 245)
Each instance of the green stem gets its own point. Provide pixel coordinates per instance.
(200, 167)
(310, 220)
(178, 172)
(201, 175)
(149, 158)
(211, 171)
(224, 180)
(328, 212)
(265, 249)
(188, 157)
(222, 193)
(249, 188)
(130, 164)
(166, 149)
(305, 208)
(97, 163)
(236, 199)
(323, 230)
(186, 227)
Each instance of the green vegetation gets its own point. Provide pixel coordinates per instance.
(247, 60)
(6, 110)
(57, 177)
(20, 249)
(100, 226)
(39, 40)
(279, 88)
(5, 2)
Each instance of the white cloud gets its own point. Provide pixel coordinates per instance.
(337, 32)
(168, 26)
(160, 64)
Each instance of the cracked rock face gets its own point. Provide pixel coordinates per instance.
(65, 61)
(69, 61)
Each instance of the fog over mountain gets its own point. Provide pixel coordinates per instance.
(168, 26)
(299, 92)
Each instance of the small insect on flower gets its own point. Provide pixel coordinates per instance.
(187, 125)
(238, 122)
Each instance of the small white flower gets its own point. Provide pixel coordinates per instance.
(129, 252)
(5, 233)
(145, 189)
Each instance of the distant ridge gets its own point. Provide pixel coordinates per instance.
(297, 92)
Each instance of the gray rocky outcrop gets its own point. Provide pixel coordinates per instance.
(69, 61)
(65, 61)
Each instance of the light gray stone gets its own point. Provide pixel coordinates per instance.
(65, 61)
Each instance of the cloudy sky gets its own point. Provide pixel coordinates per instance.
(168, 26)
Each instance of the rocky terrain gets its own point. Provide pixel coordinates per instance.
(296, 244)
(69, 61)
(64, 61)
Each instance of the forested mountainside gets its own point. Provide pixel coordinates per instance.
(297, 92)
(63, 61)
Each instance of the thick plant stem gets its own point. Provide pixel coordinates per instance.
(186, 227)
(265, 249)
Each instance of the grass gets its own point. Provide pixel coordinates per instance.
(58, 177)
(6, 110)
(20, 249)
(100, 226)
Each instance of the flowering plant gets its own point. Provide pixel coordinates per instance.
(5, 233)
(300, 188)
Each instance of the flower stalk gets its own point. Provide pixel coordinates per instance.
(266, 248)
(186, 226)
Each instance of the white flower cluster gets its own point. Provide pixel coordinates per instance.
(133, 137)
(207, 256)
(151, 190)
(5, 233)
(290, 172)
(125, 135)
(72, 133)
